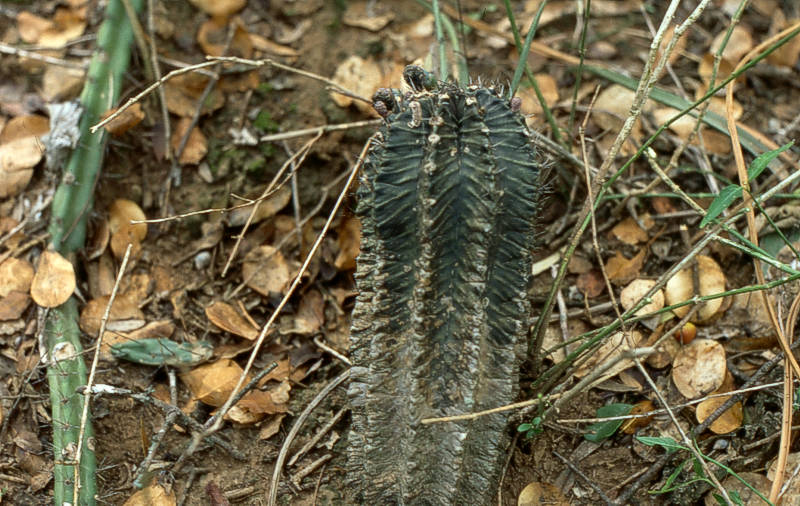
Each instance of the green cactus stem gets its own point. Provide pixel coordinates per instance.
(448, 203)
(71, 205)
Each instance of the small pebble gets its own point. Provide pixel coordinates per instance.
(721, 444)
(202, 260)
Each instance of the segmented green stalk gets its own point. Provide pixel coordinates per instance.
(71, 206)
(448, 203)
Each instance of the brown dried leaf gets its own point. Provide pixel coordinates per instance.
(124, 316)
(739, 44)
(219, 8)
(788, 54)
(699, 368)
(213, 34)
(372, 19)
(620, 270)
(183, 93)
(17, 159)
(128, 119)
(24, 126)
(267, 46)
(152, 495)
(359, 76)
(629, 231)
(631, 294)
(54, 280)
(212, 383)
(310, 315)
(267, 208)
(31, 26)
(61, 83)
(731, 419)
(591, 283)
(632, 425)
(265, 270)
(271, 428)
(121, 213)
(613, 347)
(13, 304)
(196, 146)
(681, 288)
(227, 318)
(538, 493)
(349, 240)
(15, 275)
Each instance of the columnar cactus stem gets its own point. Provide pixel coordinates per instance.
(71, 205)
(448, 204)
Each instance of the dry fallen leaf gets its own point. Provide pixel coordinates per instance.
(631, 294)
(61, 83)
(265, 270)
(121, 213)
(271, 428)
(360, 76)
(310, 315)
(349, 241)
(791, 481)
(183, 93)
(15, 283)
(530, 101)
(631, 425)
(621, 270)
(213, 34)
(739, 43)
(267, 208)
(539, 493)
(15, 275)
(212, 383)
(54, 280)
(219, 8)
(128, 119)
(13, 305)
(124, 316)
(196, 145)
(731, 419)
(680, 288)
(612, 348)
(152, 495)
(699, 368)
(227, 318)
(591, 283)
(372, 18)
(629, 231)
(24, 126)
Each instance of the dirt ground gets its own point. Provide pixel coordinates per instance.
(177, 273)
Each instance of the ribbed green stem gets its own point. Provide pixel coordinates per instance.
(71, 205)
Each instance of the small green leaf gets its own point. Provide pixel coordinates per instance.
(163, 351)
(761, 162)
(721, 202)
(666, 442)
(600, 431)
(732, 192)
(524, 427)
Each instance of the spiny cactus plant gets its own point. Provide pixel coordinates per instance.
(448, 202)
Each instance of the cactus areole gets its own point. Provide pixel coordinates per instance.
(448, 203)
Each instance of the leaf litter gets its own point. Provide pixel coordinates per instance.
(171, 303)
